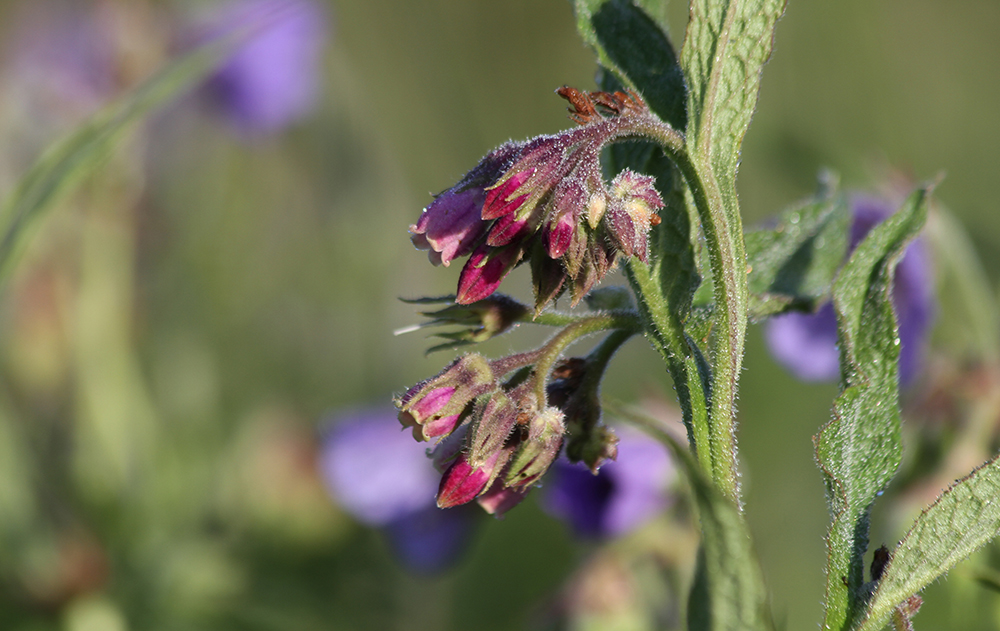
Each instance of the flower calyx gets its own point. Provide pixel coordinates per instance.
(478, 321)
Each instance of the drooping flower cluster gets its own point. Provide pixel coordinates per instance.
(382, 478)
(496, 439)
(545, 201)
(501, 424)
(806, 344)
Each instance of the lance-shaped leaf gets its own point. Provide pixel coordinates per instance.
(68, 162)
(792, 265)
(964, 518)
(726, 46)
(860, 448)
(728, 592)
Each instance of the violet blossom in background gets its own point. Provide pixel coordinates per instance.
(378, 474)
(625, 493)
(273, 79)
(806, 344)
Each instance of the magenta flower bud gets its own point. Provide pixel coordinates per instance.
(450, 226)
(553, 185)
(538, 451)
(507, 229)
(632, 212)
(559, 236)
(434, 407)
(491, 427)
(499, 499)
(462, 482)
(503, 199)
(483, 272)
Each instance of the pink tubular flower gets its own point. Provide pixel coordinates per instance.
(433, 408)
(546, 200)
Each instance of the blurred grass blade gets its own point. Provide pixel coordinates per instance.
(65, 164)
(860, 448)
(728, 593)
(963, 519)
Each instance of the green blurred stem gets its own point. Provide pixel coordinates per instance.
(724, 237)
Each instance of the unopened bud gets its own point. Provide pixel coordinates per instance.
(539, 450)
(436, 406)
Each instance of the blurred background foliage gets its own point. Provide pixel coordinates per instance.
(180, 327)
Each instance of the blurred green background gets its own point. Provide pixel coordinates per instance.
(180, 327)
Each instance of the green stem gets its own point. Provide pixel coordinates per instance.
(666, 333)
(724, 237)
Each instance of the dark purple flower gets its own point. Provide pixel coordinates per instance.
(546, 200)
(623, 495)
(806, 344)
(273, 79)
(378, 474)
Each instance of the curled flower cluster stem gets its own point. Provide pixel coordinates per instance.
(624, 323)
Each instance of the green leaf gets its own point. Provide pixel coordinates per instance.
(964, 518)
(727, 44)
(860, 448)
(793, 264)
(728, 592)
(632, 45)
(67, 163)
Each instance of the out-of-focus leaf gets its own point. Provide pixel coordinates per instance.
(632, 45)
(68, 162)
(793, 264)
(860, 448)
(968, 310)
(728, 591)
(963, 519)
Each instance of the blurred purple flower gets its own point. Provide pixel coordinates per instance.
(806, 344)
(378, 474)
(273, 79)
(625, 493)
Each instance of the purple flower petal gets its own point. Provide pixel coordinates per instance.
(273, 79)
(624, 494)
(432, 539)
(806, 343)
(375, 470)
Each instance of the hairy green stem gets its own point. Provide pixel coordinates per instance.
(724, 237)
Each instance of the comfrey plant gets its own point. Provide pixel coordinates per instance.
(647, 181)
